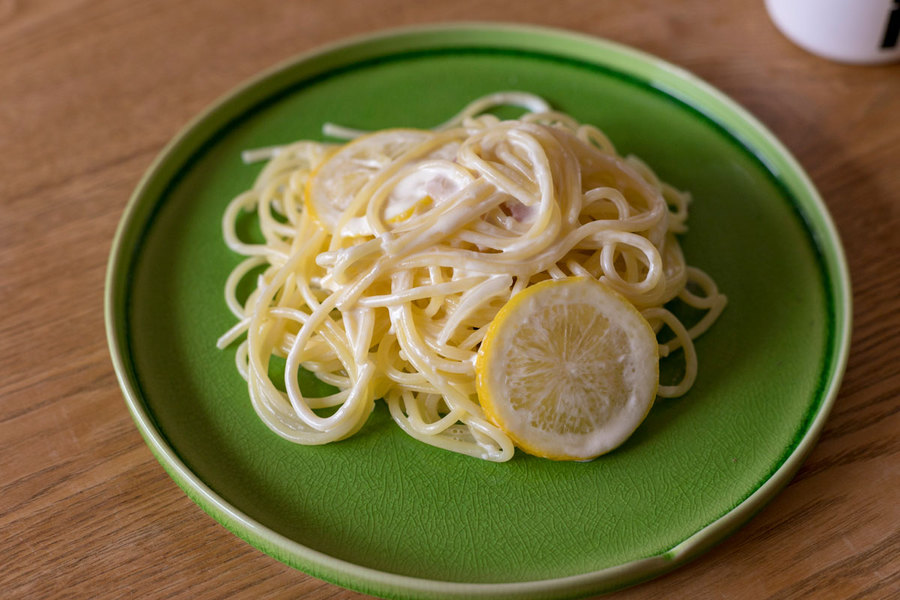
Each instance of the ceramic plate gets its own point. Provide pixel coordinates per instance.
(384, 514)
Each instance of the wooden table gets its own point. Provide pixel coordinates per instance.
(91, 91)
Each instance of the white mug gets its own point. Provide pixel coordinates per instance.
(850, 31)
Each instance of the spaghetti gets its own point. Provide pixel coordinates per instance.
(383, 260)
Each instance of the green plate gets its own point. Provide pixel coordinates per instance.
(384, 514)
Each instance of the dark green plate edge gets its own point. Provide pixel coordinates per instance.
(680, 85)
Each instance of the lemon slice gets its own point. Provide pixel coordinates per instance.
(333, 186)
(568, 369)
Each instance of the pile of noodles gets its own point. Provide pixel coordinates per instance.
(395, 306)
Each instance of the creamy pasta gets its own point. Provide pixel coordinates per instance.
(384, 260)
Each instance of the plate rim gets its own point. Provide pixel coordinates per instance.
(665, 76)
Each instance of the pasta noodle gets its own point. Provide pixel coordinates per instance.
(382, 261)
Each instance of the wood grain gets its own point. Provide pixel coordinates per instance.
(91, 91)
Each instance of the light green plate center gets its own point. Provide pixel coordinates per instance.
(383, 513)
